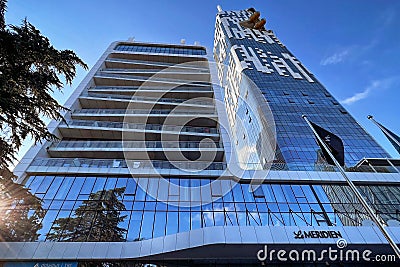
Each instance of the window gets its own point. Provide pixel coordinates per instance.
(172, 223)
(158, 49)
(268, 204)
(184, 221)
(160, 223)
(134, 226)
(146, 231)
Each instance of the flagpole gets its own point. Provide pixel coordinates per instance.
(384, 130)
(363, 202)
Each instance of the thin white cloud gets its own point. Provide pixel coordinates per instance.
(335, 58)
(357, 97)
(385, 20)
(375, 85)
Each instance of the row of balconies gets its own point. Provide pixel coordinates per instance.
(181, 116)
(203, 102)
(131, 144)
(94, 100)
(122, 166)
(112, 79)
(182, 92)
(142, 127)
(132, 131)
(112, 163)
(164, 75)
(123, 63)
(208, 112)
(154, 150)
(197, 61)
(164, 108)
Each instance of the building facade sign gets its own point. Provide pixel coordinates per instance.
(317, 234)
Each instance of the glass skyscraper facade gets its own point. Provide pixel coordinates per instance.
(150, 170)
(290, 91)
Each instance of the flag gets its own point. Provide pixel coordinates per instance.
(391, 136)
(333, 142)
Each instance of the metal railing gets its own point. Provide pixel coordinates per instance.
(149, 99)
(144, 111)
(133, 144)
(164, 71)
(185, 88)
(152, 80)
(145, 127)
(156, 63)
(135, 164)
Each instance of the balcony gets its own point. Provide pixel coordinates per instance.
(121, 63)
(155, 150)
(166, 58)
(377, 165)
(108, 79)
(141, 111)
(184, 92)
(204, 117)
(168, 74)
(114, 166)
(132, 131)
(94, 100)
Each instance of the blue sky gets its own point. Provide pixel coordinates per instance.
(352, 46)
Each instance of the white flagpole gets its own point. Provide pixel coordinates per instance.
(360, 198)
(384, 130)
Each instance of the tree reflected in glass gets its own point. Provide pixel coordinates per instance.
(97, 219)
(21, 212)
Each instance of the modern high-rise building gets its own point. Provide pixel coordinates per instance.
(168, 160)
(266, 91)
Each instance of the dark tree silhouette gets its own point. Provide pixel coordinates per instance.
(29, 72)
(2, 10)
(20, 211)
(96, 219)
